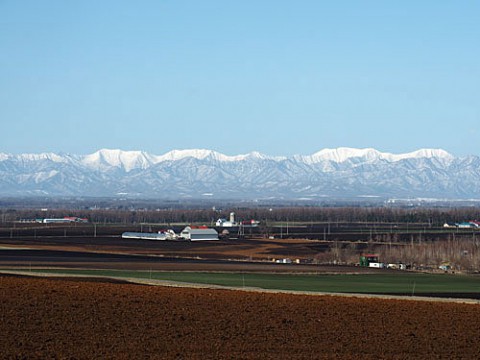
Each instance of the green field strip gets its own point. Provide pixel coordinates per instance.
(406, 283)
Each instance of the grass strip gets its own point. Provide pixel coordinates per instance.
(401, 283)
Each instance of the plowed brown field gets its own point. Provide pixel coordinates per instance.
(78, 319)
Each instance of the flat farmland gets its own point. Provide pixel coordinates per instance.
(26, 258)
(299, 242)
(222, 262)
(59, 318)
(325, 231)
(237, 249)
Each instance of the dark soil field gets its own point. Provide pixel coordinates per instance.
(39, 259)
(66, 319)
(47, 249)
(255, 248)
(359, 233)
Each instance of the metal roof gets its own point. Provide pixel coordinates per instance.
(203, 232)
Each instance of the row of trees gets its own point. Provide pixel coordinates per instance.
(460, 253)
(434, 217)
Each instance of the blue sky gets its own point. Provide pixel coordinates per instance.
(279, 77)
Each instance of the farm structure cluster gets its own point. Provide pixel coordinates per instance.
(189, 233)
(474, 224)
(231, 222)
(197, 233)
(371, 260)
(64, 220)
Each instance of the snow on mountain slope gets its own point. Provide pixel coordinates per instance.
(36, 157)
(128, 160)
(192, 172)
(343, 154)
(201, 154)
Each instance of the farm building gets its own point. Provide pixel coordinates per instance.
(227, 223)
(465, 225)
(199, 234)
(367, 259)
(231, 222)
(161, 235)
(64, 220)
(144, 236)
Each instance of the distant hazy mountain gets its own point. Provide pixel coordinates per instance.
(342, 172)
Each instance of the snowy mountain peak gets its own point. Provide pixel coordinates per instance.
(127, 160)
(429, 153)
(43, 156)
(343, 154)
(260, 156)
(188, 173)
(130, 160)
(199, 154)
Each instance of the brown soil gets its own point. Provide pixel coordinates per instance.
(45, 318)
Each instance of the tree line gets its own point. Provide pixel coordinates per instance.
(433, 217)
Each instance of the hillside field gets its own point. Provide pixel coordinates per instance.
(59, 318)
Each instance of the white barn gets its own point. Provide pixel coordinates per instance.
(199, 234)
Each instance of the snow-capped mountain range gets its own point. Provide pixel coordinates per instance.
(341, 172)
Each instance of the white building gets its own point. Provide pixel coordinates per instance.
(199, 234)
(143, 236)
(227, 223)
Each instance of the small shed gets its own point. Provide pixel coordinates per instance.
(199, 234)
(367, 259)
